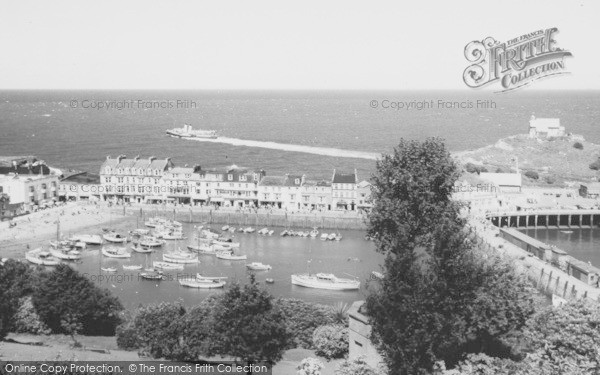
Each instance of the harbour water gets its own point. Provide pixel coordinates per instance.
(583, 244)
(353, 256)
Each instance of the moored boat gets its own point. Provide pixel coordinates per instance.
(66, 254)
(90, 239)
(202, 282)
(150, 241)
(258, 266)
(331, 237)
(114, 237)
(325, 281)
(180, 257)
(230, 256)
(115, 252)
(41, 257)
(202, 249)
(132, 267)
(167, 265)
(151, 275)
(108, 269)
(314, 233)
(141, 249)
(324, 236)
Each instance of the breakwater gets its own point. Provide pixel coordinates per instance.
(562, 219)
(551, 270)
(337, 221)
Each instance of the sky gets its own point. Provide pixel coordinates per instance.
(281, 45)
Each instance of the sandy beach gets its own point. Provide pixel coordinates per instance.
(38, 228)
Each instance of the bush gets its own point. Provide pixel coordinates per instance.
(197, 324)
(156, 329)
(64, 292)
(578, 145)
(331, 341)
(310, 366)
(473, 168)
(532, 174)
(127, 337)
(302, 318)
(27, 320)
(595, 165)
(550, 180)
(356, 367)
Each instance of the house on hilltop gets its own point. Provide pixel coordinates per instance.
(545, 127)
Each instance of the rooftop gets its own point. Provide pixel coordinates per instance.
(272, 181)
(502, 179)
(344, 178)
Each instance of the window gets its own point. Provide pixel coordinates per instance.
(32, 189)
(297, 181)
(230, 177)
(43, 186)
(243, 178)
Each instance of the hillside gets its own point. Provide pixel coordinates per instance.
(557, 161)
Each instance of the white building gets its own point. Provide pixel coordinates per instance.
(545, 128)
(134, 180)
(501, 182)
(343, 190)
(31, 190)
(316, 195)
(281, 191)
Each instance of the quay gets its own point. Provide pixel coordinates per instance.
(561, 219)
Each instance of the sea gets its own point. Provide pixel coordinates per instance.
(305, 132)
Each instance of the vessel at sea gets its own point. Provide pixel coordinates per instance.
(187, 132)
(325, 281)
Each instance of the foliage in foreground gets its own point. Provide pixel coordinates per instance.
(61, 301)
(439, 300)
(310, 366)
(331, 341)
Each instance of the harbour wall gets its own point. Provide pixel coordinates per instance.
(254, 219)
(551, 270)
(561, 219)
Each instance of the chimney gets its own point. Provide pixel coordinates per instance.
(151, 159)
(107, 157)
(121, 157)
(136, 158)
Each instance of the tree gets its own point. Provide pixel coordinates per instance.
(439, 298)
(16, 280)
(302, 318)
(532, 174)
(578, 145)
(248, 326)
(331, 341)
(65, 292)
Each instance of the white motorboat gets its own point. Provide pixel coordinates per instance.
(263, 231)
(139, 232)
(67, 244)
(377, 275)
(208, 233)
(220, 246)
(324, 236)
(230, 256)
(231, 230)
(167, 266)
(66, 254)
(325, 281)
(338, 237)
(108, 269)
(114, 237)
(173, 236)
(180, 257)
(90, 239)
(332, 237)
(202, 282)
(202, 249)
(270, 233)
(188, 132)
(151, 275)
(283, 233)
(150, 241)
(41, 257)
(227, 242)
(249, 230)
(258, 266)
(225, 228)
(115, 252)
(133, 267)
(141, 249)
(314, 233)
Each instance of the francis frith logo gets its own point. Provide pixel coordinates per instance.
(515, 63)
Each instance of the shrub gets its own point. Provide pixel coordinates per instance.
(197, 325)
(157, 330)
(473, 168)
(532, 174)
(340, 313)
(27, 320)
(310, 366)
(550, 180)
(356, 367)
(331, 341)
(302, 318)
(595, 165)
(64, 292)
(578, 145)
(127, 337)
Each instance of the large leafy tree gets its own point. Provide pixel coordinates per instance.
(65, 292)
(248, 326)
(16, 280)
(439, 299)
